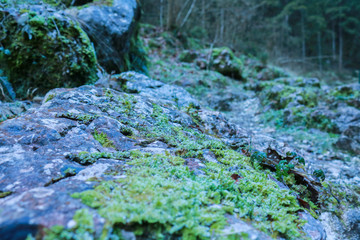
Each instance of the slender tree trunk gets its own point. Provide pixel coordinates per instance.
(303, 37)
(319, 51)
(161, 13)
(170, 15)
(340, 47)
(188, 14)
(222, 24)
(333, 41)
(203, 17)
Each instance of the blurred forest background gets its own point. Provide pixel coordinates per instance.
(304, 35)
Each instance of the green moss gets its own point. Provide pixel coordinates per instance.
(346, 94)
(188, 56)
(85, 158)
(82, 118)
(309, 98)
(45, 52)
(5, 194)
(83, 229)
(50, 97)
(161, 198)
(224, 61)
(321, 122)
(103, 139)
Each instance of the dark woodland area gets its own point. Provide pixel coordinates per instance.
(179, 120)
(321, 35)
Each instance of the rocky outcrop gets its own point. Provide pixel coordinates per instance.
(42, 48)
(65, 162)
(113, 30)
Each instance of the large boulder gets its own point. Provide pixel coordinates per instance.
(112, 27)
(42, 49)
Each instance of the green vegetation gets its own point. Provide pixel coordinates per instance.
(283, 168)
(5, 194)
(224, 61)
(161, 198)
(83, 229)
(45, 52)
(81, 118)
(86, 158)
(103, 139)
(319, 174)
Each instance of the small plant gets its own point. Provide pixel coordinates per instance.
(193, 111)
(257, 156)
(283, 168)
(296, 157)
(103, 139)
(319, 174)
(50, 97)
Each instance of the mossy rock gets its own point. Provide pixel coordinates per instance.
(321, 120)
(224, 61)
(112, 26)
(350, 94)
(271, 73)
(188, 56)
(44, 50)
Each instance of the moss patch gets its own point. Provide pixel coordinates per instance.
(4, 194)
(45, 52)
(83, 229)
(103, 139)
(161, 198)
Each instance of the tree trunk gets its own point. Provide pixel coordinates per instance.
(203, 17)
(303, 40)
(319, 51)
(188, 14)
(161, 13)
(333, 41)
(170, 15)
(222, 24)
(340, 47)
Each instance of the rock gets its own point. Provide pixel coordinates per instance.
(12, 110)
(350, 94)
(80, 138)
(54, 52)
(313, 227)
(271, 73)
(346, 116)
(300, 82)
(350, 138)
(346, 228)
(112, 29)
(188, 56)
(324, 119)
(225, 62)
(138, 83)
(224, 101)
